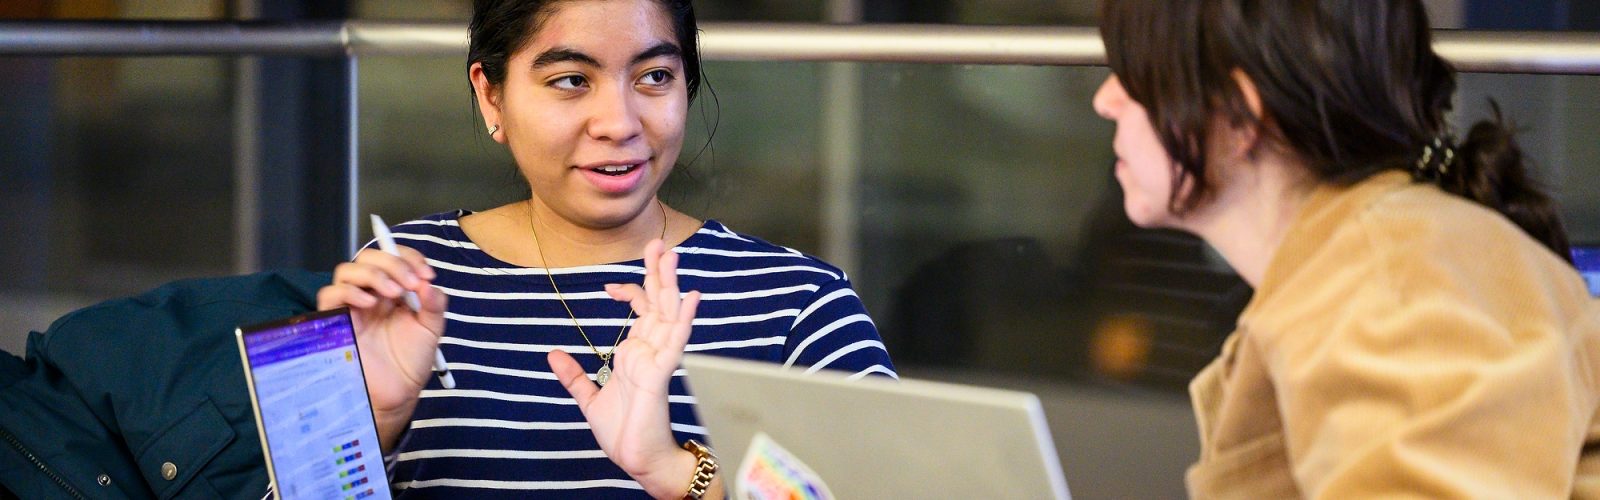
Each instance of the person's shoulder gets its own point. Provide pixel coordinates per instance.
(1391, 219)
(443, 228)
(432, 223)
(1424, 220)
(431, 234)
(1383, 244)
(1427, 243)
(716, 245)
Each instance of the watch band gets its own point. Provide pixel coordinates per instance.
(704, 470)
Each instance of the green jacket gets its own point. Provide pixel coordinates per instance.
(112, 393)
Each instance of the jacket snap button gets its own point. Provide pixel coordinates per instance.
(104, 480)
(169, 471)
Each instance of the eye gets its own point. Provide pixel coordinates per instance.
(569, 82)
(656, 78)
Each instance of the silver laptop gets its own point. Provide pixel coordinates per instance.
(822, 435)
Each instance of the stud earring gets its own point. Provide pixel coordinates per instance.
(493, 129)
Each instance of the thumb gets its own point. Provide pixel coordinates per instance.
(573, 378)
(433, 301)
(431, 316)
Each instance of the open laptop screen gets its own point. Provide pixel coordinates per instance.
(787, 434)
(312, 408)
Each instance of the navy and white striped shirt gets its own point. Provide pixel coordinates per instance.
(510, 429)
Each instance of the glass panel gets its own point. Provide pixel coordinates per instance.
(1556, 116)
(998, 240)
(99, 204)
(112, 9)
(422, 147)
(1011, 12)
(118, 179)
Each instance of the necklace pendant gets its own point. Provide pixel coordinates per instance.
(604, 375)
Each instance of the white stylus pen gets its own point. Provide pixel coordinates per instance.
(386, 243)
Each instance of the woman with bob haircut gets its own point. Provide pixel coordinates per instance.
(561, 391)
(1417, 327)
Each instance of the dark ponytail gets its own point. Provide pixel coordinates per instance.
(1490, 170)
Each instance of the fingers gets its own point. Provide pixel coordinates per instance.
(344, 294)
(623, 292)
(630, 293)
(657, 303)
(386, 273)
(368, 277)
(434, 303)
(573, 378)
(652, 269)
(665, 297)
(433, 300)
(678, 337)
(383, 277)
(418, 262)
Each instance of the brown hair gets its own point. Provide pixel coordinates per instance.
(1350, 87)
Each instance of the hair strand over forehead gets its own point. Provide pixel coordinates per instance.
(499, 28)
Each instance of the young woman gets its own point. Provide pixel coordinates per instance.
(561, 390)
(1416, 328)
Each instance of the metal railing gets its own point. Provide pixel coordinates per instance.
(1473, 51)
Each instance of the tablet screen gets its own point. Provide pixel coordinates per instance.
(312, 408)
(1587, 260)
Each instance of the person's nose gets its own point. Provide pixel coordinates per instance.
(1109, 100)
(615, 115)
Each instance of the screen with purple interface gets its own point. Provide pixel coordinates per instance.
(1587, 259)
(314, 409)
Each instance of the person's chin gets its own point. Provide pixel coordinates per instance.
(616, 212)
(1142, 215)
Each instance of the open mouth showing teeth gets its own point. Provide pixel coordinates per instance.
(616, 170)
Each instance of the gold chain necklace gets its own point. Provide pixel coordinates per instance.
(604, 374)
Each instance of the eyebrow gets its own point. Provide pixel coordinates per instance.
(563, 54)
(667, 49)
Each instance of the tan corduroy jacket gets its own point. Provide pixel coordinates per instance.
(1404, 342)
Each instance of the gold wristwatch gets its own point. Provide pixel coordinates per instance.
(705, 468)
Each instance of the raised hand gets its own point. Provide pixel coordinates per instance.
(629, 414)
(396, 343)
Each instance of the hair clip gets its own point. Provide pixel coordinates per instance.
(1436, 159)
